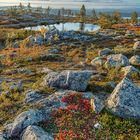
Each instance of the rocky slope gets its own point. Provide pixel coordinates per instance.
(61, 85)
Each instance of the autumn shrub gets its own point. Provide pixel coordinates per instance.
(75, 121)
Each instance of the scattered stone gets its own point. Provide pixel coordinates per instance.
(16, 87)
(125, 100)
(97, 104)
(29, 42)
(54, 51)
(97, 77)
(52, 35)
(105, 52)
(2, 56)
(136, 39)
(25, 71)
(33, 96)
(16, 44)
(39, 40)
(129, 33)
(97, 126)
(25, 119)
(29, 59)
(118, 37)
(51, 57)
(28, 17)
(11, 72)
(98, 61)
(71, 80)
(130, 71)
(7, 130)
(76, 36)
(2, 136)
(35, 133)
(116, 60)
(135, 60)
(46, 70)
(53, 101)
(136, 45)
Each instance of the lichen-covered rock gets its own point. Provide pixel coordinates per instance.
(34, 117)
(135, 60)
(52, 35)
(97, 125)
(24, 71)
(97, 104)
(105, 52)
(51, 57)
(71, 80)
(76, 36)
(125, 100)
(116, 60)
(33, 132)
(25, 119)
(2, 56)
(136, 45)
(2, 136)
(39, 40)
(98, 61)
(54, 101)
(54, 50)
(33, 96)
(130, 71)
(29, 42)
(16, 44)
(46, 70)
(16, 87)
(129, 33)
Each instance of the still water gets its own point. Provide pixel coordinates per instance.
(68, 27)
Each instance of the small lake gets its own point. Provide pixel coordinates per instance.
(68, 27)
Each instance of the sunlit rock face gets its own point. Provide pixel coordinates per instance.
(125, 100)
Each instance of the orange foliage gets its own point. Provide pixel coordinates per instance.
(127, 26)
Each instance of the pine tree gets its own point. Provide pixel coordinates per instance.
(21, 8)
(48, 10)
(29, 7)
(134, 17)
(116, 17)
(59, 14)
(94, 15)
(83, 12)
(62, 12)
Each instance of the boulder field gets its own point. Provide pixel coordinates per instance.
(124, 102)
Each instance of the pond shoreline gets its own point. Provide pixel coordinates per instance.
(34, 23)
(67, 26)
(22, 23)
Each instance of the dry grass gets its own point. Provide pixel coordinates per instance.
(22, 53)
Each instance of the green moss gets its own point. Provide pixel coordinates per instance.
(118, 128)
(100, 87)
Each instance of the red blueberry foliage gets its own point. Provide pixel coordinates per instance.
(75, 122)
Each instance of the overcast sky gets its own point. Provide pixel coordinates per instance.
(77, 3)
